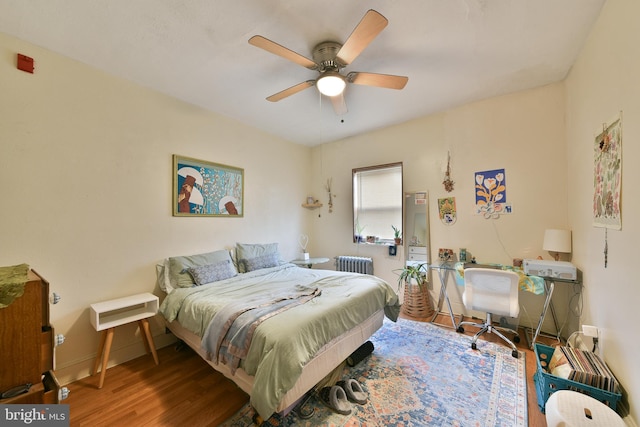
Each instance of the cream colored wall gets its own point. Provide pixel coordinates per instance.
(86, 169)
(85, 162)
(603, 82)
(522, 133)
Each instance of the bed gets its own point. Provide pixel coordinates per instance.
(272, 327)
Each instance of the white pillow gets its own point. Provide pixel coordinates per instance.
(162, 276)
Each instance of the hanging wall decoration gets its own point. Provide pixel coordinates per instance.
(607, 179)
(448, 183)
(491, 194)
(202, 188)
(447, 210)
(331, 195)
(607, 175)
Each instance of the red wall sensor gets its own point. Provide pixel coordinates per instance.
(25, 63)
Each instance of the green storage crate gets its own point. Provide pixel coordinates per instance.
(546, 383)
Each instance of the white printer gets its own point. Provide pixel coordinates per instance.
(555, 269)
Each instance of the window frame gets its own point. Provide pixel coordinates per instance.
(357, 238)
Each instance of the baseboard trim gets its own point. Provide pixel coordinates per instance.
(81, 368)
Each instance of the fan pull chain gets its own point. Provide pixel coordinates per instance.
(606, 247)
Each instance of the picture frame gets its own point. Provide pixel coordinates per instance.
(203, 188)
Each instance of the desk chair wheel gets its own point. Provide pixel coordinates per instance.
(474, 346)
(460, 329)
(515, 354)
(516, 339)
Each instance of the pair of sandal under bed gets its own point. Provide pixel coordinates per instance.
(340, 396)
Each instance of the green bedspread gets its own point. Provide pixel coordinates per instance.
(283, 344)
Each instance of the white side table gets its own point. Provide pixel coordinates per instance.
(309, 262)
(106, 315)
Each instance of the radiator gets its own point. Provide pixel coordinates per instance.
(354, 264)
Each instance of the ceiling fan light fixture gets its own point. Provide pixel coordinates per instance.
(331, 83)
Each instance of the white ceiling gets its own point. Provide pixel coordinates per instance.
(453, 51)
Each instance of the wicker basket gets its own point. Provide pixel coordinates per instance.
(417, 301)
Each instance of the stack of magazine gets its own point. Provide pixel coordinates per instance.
(584, 367)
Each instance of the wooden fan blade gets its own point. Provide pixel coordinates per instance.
(369, 27)
(291, 91)
(380, 80)
(339, 105)
(276, 49)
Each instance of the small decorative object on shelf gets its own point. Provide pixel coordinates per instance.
(312, 203)
(397, 235)
(445, 254)
(303, 240)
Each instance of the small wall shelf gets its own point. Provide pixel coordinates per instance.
(312, 205)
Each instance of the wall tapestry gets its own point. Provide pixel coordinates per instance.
(447, 210)
(202, 188)
(607, 175)
(491, 194)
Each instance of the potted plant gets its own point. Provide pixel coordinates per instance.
(359, 238)
(417, 300)
(397, 235)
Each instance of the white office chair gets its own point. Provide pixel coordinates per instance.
(494, 292)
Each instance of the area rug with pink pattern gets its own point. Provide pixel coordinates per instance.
(421, 374)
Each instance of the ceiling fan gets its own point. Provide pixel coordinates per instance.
(330, 57)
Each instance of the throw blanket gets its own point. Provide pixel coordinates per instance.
(12, 280)
(228, 336)
(533, 284)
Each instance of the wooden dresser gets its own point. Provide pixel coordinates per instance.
(27, 346)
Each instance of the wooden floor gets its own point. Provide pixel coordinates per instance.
(185, 391)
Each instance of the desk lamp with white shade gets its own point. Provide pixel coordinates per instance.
(556, 242)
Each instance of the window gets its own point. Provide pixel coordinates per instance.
(377, 203)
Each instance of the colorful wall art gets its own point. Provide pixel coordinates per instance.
(447, 210)
(491, 194)
(607, 176)
(203, 188)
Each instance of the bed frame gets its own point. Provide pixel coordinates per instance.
(328, 358)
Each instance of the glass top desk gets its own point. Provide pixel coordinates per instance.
(534, 284)
(444, 269)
